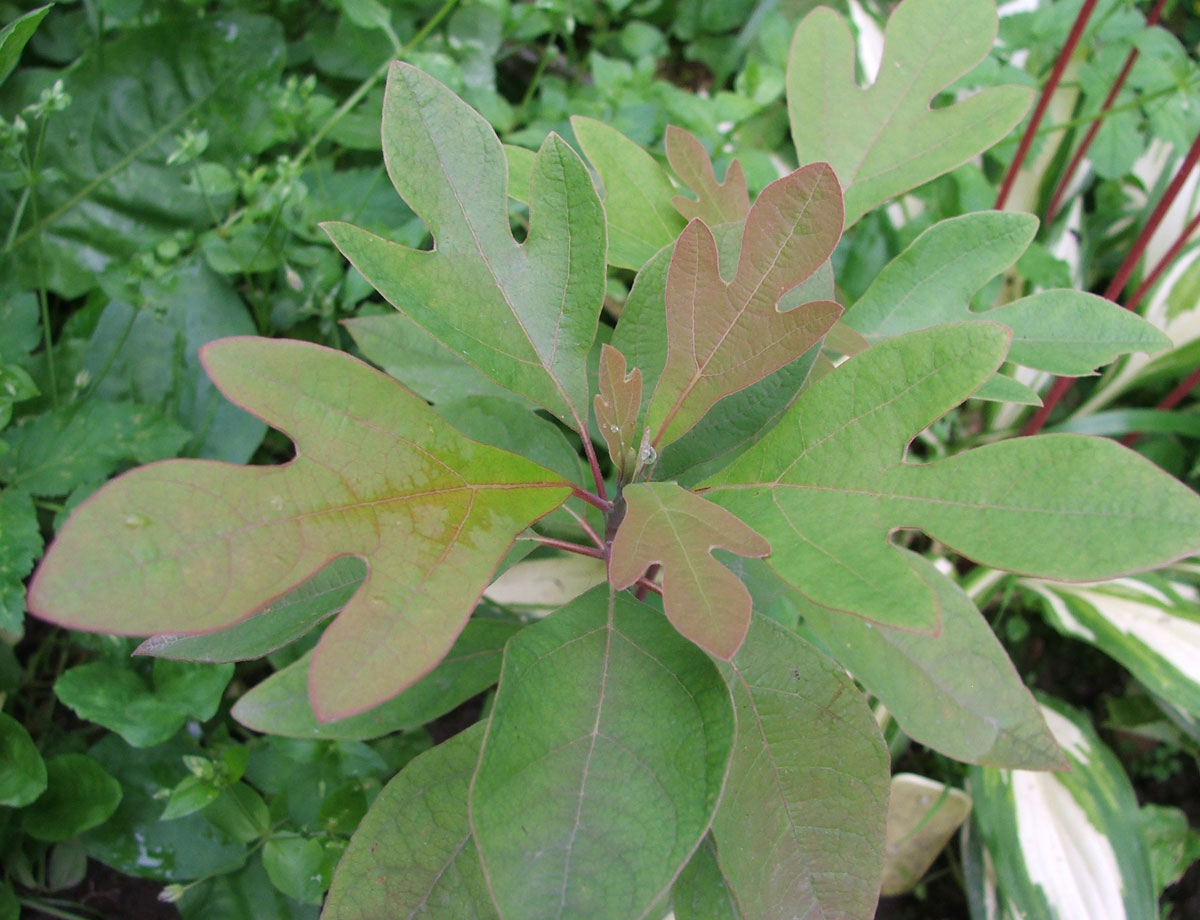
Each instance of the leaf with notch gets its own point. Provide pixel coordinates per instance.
(715, 202)
(884, 140)
(723, 337)
(196, 545)
(701, 891)
(800, 831)
(618, 405)
(578, 773)
(705, 601)
(525, 314)
(830, 482)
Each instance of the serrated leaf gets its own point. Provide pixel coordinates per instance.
(1061, 331)
(618, 405)
(701, 892)
(885, 140)
(723, 337)
(413, 855)
(715, 202)
(534, 306)
(829, 484)
(196, 545)
(20, 544)
(800, 830)
(956, 692)
(678, 529)
(637, 194)
(578, 772)
(280, 705)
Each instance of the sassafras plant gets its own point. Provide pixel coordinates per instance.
(693, 751)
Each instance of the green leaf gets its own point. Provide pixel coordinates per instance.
(80, 795)
(722, 337)
(432, 514)
(189, 797)
(885, 140)
(1066, 846)
(1118, 422)
(1001, 388)
(800, 830)
(280, 705)
(578, 773)
(294, 866)
(923, 815)
(1172, 843)
(10, 907)
(637, 194)
(239, 812)
(716, 202)
(668, 525)
(701, 892)
(956, 692)
(278, 624)
(20, 545)
(243, 895)
(1064, 332)
(22, 771)
(54, 452)
(534, 306)
(618, 406)
(413, 855)
(116, 697)
(831, 481)
(15, 35)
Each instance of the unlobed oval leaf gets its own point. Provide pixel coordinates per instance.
(195, 545)
(607, 747)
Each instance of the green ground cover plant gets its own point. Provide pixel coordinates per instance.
(760, 430)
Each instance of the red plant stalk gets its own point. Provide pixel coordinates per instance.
(1039, 112)
(1086, 143)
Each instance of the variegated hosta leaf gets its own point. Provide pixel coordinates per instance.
(923, 814)
(195, 546)
(1150, 624)
(1066, 845)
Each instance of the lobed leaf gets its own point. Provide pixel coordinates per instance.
(678, 529)
(829, 484)
(884, 140)
(533, 307)
(723, 337)
(579, 773)
(618, 405)
(716, 202)
(800, 831)
(196, 545)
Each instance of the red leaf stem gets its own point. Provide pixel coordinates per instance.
(602, 503)
(1163, 263)
(570, 547)
(1173, 399)
(1068, 49)
(646, 583)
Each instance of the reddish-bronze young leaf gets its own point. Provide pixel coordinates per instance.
(617, 406)
(723, 337)
(677, 529)
(718, 202)
(191, 546)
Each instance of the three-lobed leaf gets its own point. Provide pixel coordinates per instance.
(196, 545)
(618, 406)
(715, 202)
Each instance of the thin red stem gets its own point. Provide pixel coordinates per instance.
(1086, 143)
(589, 450)
(1163, 263)
(570, 547)
(585, 526)
(1173, 399)
(602, 503)
(1064, 56)
(646, 582)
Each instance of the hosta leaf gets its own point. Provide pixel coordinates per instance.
(280, 704)
(956, 692)
(20, 544)
(829, 483)
(412, 855)
(705, 601)
(580, 773)
(196, 545)
(715, 202)
(637, 194)
(1150, 625)
(533, 306)
(930, 283)
(723, 337)
(701, 892)
(800, 831)
(885, 140)
(1066, 845)
(618, 405)
(922, 816)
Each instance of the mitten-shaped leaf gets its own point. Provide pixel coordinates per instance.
(678, 529)
(716, 202)
(524, 314)
(800, 830)
(885, 140)
(618, 405)
(607, 746)
(722, 337)
(829, 484)
(192, 546)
